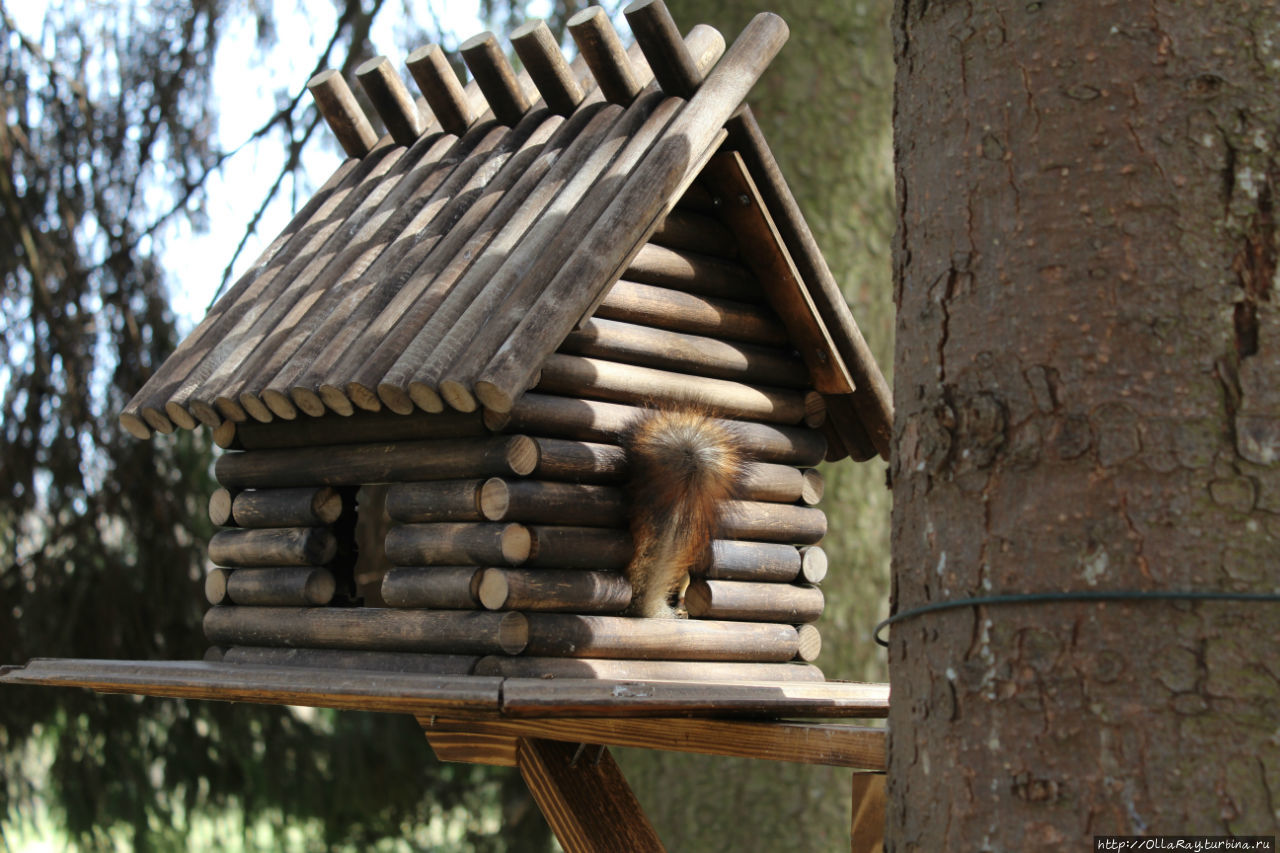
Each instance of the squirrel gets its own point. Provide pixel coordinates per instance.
(682, 465)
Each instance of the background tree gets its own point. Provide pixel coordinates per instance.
(1088, 399)
(825, 108)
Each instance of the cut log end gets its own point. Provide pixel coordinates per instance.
(256, 408)
(813, 564)
(335, 401)
(180, 416)
(513, 633)
(363, 397)
(224, 435)
(396, 398)
(135, 425)
(279, 403)
(425, 398)
(813, 487)
(493, 397)
(522, 455)
(493, 589)
(157, 420)
(815, 409)
(495, 498)
(220, 507)
(456, 394)
(308, 401)
(810, 643)
(516, 544)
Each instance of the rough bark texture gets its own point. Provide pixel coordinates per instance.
(1088, 398)
(825, 106)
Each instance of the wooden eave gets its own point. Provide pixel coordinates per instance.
(465, 260)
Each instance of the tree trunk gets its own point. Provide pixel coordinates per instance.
(825, 108)
(1088, 399)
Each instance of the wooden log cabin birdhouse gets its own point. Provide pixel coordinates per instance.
(430, 385)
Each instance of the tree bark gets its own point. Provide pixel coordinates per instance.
(1088, 398)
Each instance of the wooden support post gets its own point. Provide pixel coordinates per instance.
(439, 85)
(866, 831)
(495, 77)
(599, 45)
(537, 49)
(391, 99)
(345, 118)
(585, 798)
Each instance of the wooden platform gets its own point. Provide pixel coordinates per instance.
(556, 731)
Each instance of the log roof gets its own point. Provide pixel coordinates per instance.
(443, 265)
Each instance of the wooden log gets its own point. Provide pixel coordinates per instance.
(810, 643)
(459, 544)
(815, 410)
(697, 354)
(541, 502)
(563, 547)
(215, 585)
(224, 435)
(549, 590)
(692, 231)
(524, 666)
(872, 397)
(578, 461)
(303, 507)
(432, 587)
(538, 50)
(469, 288)
(419, 664)
(692, 271)
(597, 421)
(836, 449)
(369, 628)
(360, 428)
(598, 43)
(158, 390)
(646, 196)
(752, 561)
(586, 636)
(762, 481)
(770, 522)
(441, 500)
(220, 507)
(752, 602)
(281, 587)
(847, 422)
(813, 488)
(628, 383)
(342, 113)
(288, 546)
(391, 99)
(439, 85)
(659, 37)
(675, 310)
(360, 464)
(492, 72)
(765, 250)
(214, 654)
(813, 564)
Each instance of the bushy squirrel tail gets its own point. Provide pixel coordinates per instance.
(682, 466)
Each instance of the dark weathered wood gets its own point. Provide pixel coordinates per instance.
(381, 82)
(576, 635)
(280, 587)
(814, 487)
(753, 602)
(538, 50)
(288, 546)
(813, 564)
(692, 231)
(369, 628)
(342, 113)
(562, 547)
(657, 34)
(836, 449)
(752, 561)
(459, 544)
(439, 85)
(360, 428)
(597, 421)
(815, 409)
(302, 507)
(215, 585)
(213, 654)
(810, 645)
(628, 383)
(359, 464)
(666, 308)
(540, 502)
(598, 43)
(588, 803)
(770, 522)
(524, 666)
(492, 71)
(647, 195)
(220, 507)
(872, 399)
(765, 251)
(441, 500)
(432, 587)
(847, 420)
(390, 692)
(563, 697)
(331, 659)
(554, 591)
(578, 461)
(697, 354)
(693, 271)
